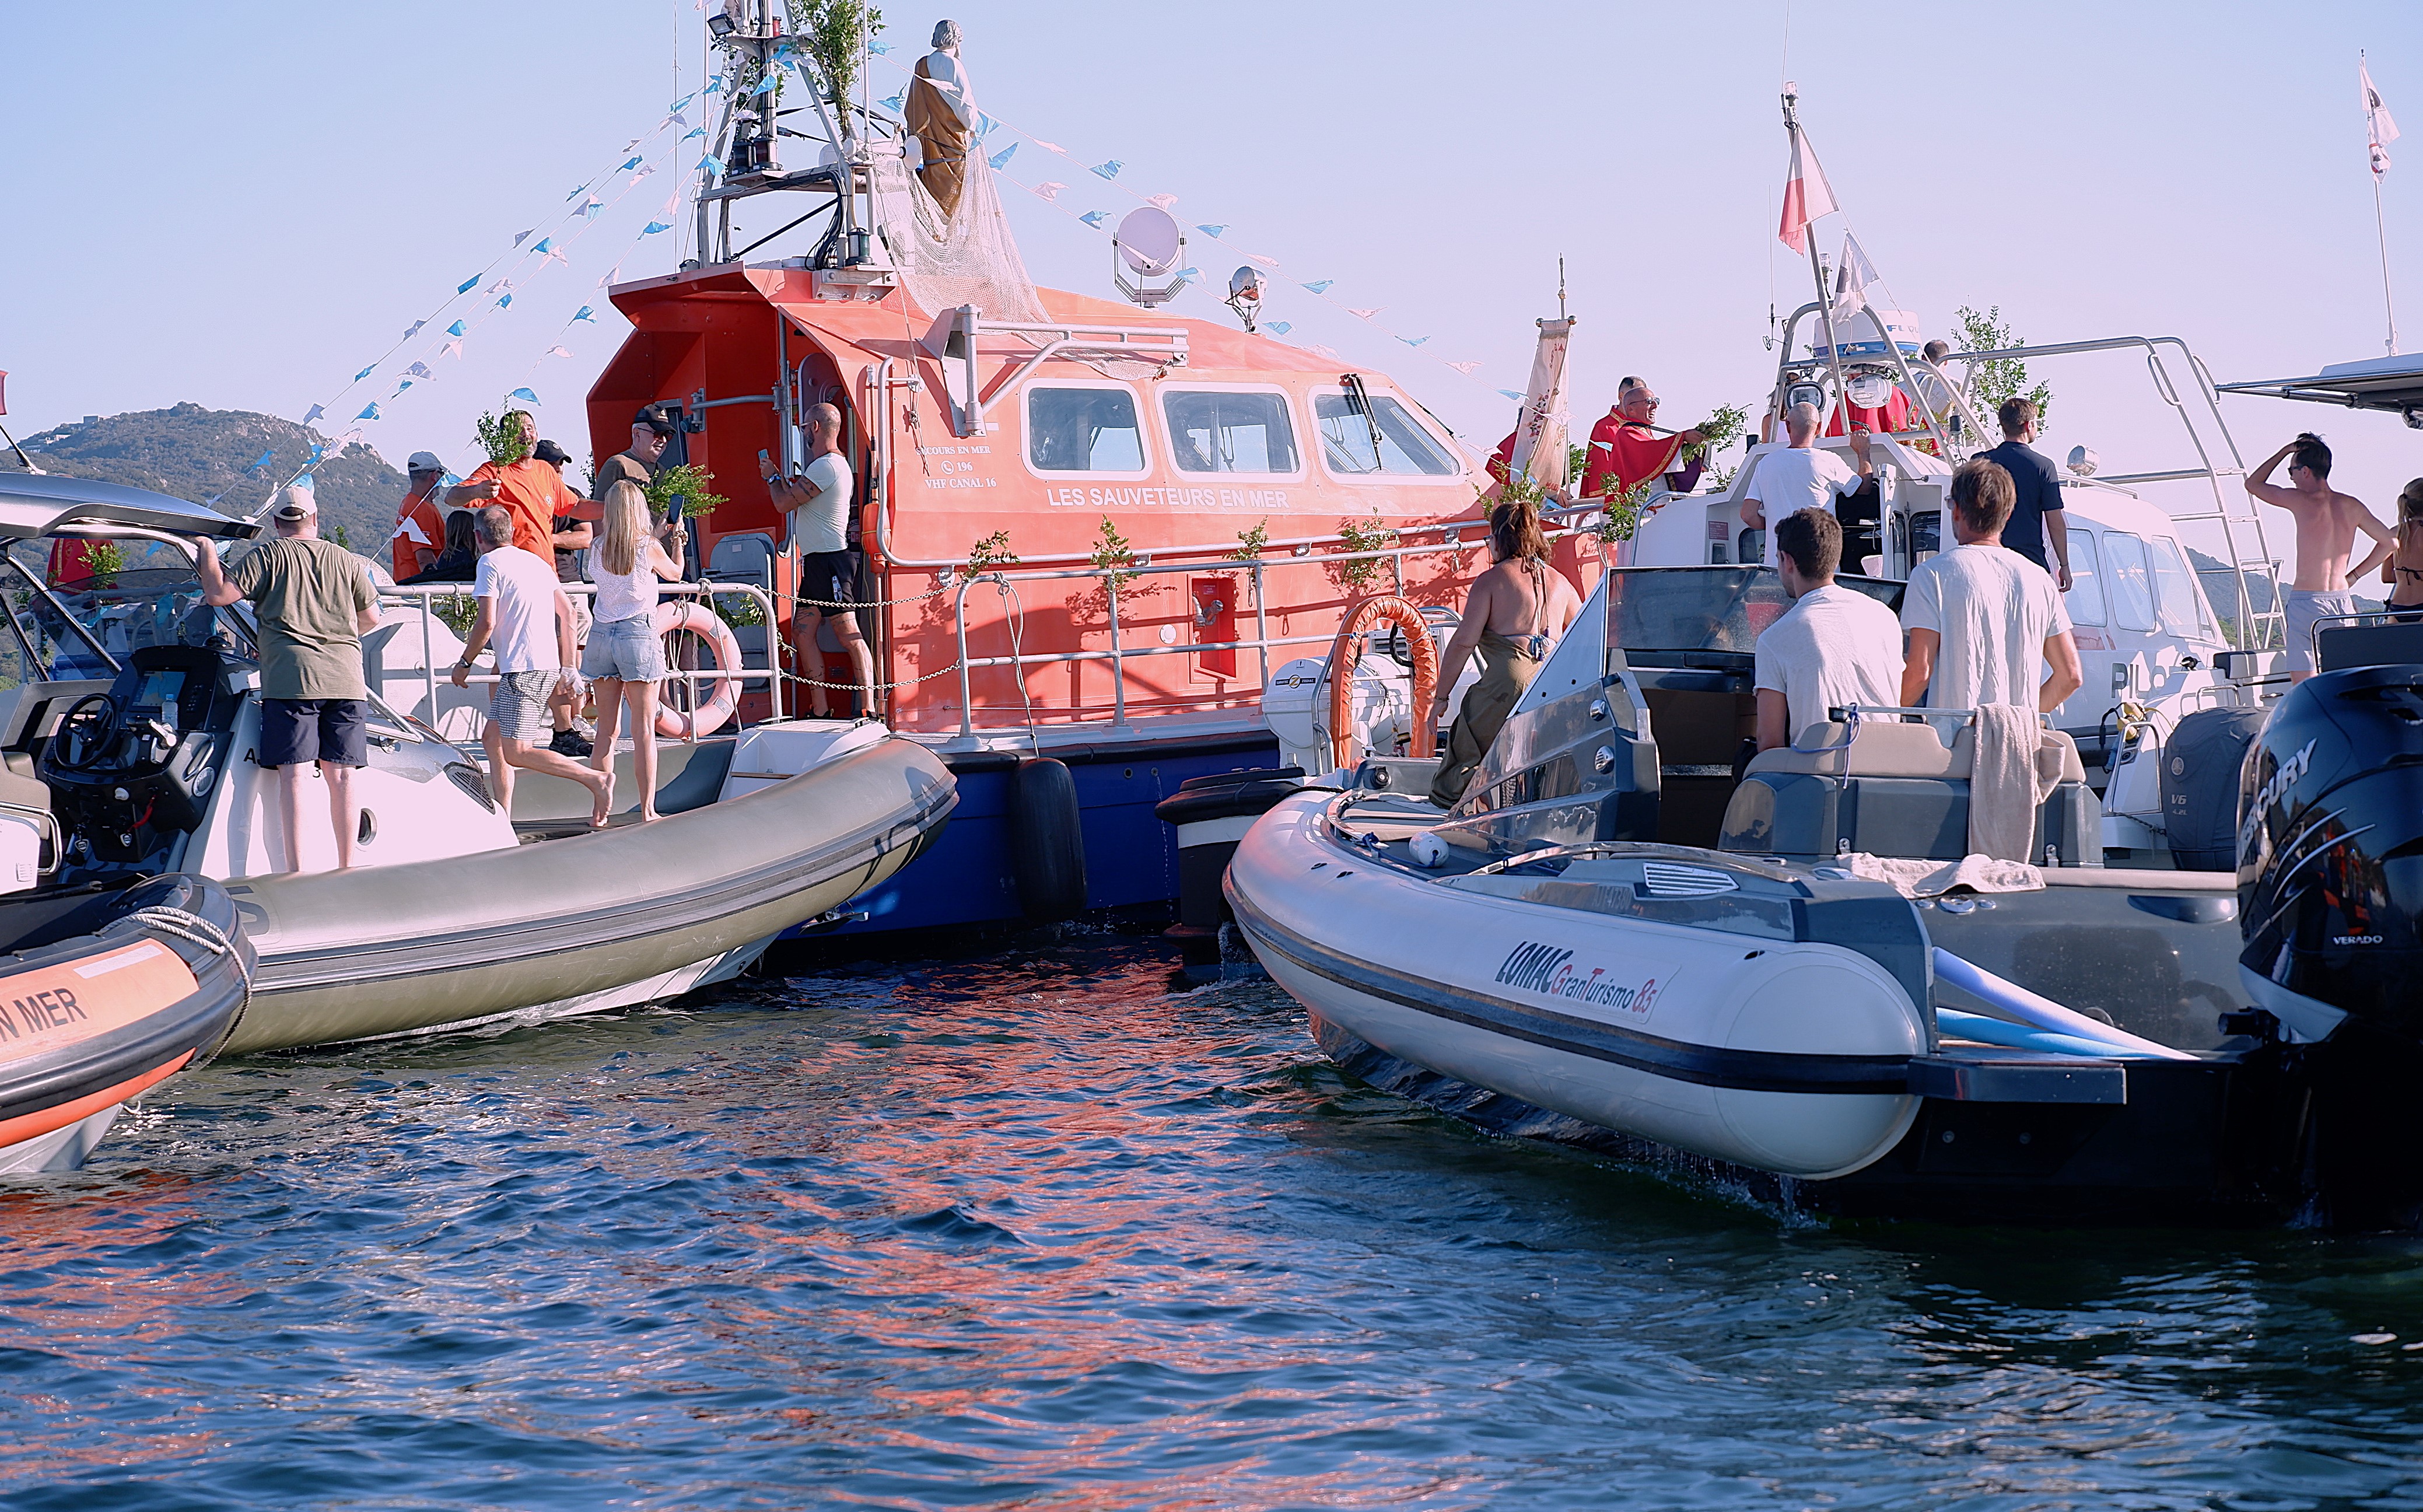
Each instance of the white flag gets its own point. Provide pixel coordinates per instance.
(1851, 282)
(2380, 131)
(1539, 434)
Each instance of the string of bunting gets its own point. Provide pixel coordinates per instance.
(579, 211)
(1110, 170)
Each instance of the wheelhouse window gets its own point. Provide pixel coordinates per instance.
(1083, 430)
(2133, 582)
(1225, 432)
(2085, 597)
(1383, 441)
(2174, 593)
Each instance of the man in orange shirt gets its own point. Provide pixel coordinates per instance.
(1624, 453)
(530, 491)
(419, 533)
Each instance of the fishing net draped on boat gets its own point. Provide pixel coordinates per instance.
(947, 261)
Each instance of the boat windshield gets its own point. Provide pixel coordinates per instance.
(1388, 439)
(107, 599)
(1705, 608)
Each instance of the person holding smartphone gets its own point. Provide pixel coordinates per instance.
(819, 503)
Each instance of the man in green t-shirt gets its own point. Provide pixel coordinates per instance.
(314, 601)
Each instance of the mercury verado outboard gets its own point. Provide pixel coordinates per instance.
(1575, 953)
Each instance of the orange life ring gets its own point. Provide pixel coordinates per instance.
(724, 694)
(1416, 631)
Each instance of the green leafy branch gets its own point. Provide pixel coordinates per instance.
(833, 31)
(500, 439)
(1373, 535)
(1718, 431)
(2003, 378)
(1250, 543)
(1624, 515)
(683, 490)
(990, 552)
(1110, 554)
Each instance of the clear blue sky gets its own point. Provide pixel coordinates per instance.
(243, 204)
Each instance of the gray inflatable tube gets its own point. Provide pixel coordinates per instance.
(567, 923)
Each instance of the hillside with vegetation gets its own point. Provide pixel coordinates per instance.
(206, 456)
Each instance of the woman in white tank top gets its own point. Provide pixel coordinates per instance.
(624, 657)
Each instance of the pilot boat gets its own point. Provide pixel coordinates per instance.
(106, 991)
(1707, 974)
(129, 736)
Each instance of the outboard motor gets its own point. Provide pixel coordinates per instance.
(2329, 847)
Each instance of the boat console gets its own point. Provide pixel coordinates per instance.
(131, 768)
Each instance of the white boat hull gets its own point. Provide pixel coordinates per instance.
(1788, 1056)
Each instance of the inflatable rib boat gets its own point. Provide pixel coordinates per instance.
(105, 993)
(126, 751)
(1751, 986)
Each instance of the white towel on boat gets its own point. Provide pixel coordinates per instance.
(2007, 782)
(1932, 879)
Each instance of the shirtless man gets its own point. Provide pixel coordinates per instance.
(2327, 521)
(1517, 610)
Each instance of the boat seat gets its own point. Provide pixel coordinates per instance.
(1895, 791)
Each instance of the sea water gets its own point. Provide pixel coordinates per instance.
(1049, 1229)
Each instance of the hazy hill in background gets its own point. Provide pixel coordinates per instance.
(198, 454)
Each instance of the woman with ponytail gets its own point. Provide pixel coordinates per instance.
(1515, 611)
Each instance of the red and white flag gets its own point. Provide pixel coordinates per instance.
(2380, 131)
(1806, 196)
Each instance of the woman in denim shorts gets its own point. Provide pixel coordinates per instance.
(624, 657)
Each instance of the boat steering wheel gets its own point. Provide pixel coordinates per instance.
(86, 734)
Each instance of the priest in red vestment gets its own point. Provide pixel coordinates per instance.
(1624, 453)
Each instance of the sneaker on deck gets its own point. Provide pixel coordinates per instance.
(568, 743)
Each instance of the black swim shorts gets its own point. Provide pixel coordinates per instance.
(297, 731)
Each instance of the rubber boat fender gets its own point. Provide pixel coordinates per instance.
(724, 692)
(1047, 840)
(1416, 634)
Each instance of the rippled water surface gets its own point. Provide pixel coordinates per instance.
(1044, 1231)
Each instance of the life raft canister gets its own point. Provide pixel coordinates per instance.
(724, 691)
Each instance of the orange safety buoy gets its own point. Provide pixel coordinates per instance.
(1416, 631)
(724, 694)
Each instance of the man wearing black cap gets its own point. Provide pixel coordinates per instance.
(652, 430)
(570, 536)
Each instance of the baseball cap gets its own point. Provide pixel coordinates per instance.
(295, 502)
(424, 462)
(656, 419)
(549, 452)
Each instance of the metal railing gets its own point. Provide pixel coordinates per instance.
(1118, 653)
(425, 594)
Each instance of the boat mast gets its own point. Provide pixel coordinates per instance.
(747, 139)
(1817, 271)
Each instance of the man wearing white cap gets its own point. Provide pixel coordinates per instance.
(314, 601)
(419, 529)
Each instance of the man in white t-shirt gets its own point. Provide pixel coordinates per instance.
(819, 503)
(1802, 476)
(526, 613)
(1834, 646)
(1981, 618)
